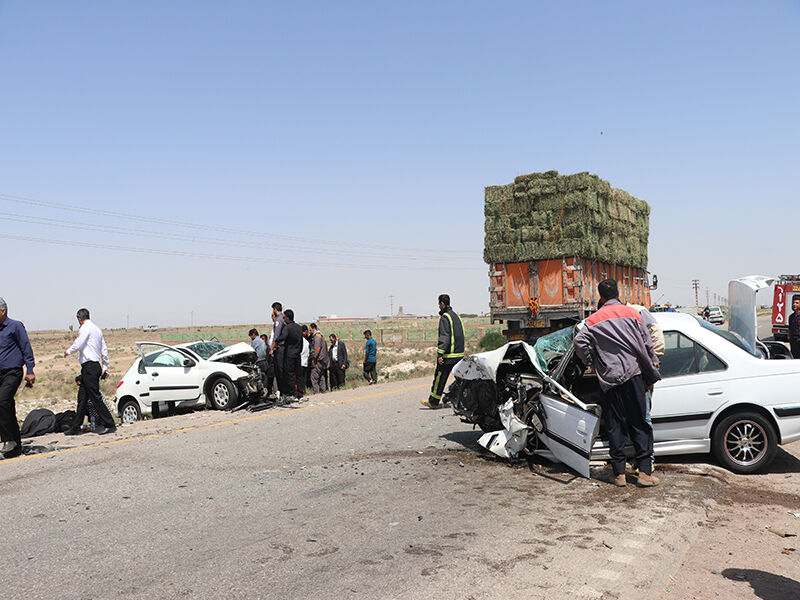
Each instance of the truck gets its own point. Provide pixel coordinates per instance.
(535, 298)
(787, 289)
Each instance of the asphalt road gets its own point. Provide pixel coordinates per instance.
(367, 497)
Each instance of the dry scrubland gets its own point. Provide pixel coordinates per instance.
(55, 375)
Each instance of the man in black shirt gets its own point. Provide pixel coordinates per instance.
(290, 340)
(794, 327)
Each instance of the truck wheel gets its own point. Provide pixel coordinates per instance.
(744, 442)
(223, 394)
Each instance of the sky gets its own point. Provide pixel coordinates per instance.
(191, 161)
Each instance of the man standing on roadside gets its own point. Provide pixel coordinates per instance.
(275, 351)
(15, 351)
(91, 348)
(616, 342)
(450, 350)
(261, 353)
(319, 360)
(290, 341)
(794, 327)
(370, 359)
(339, 362)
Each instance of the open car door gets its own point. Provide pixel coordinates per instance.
(570, 428)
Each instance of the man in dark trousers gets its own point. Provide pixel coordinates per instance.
(15, 351)
(319, 360)
(617, 343)
(276, 352)
(339, 362)
(794, 327)
(93, 358)
(450, 350)
(370, 358)
(290, 341)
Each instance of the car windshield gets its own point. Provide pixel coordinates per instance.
(730, 336)
(206, 349)
(552, 346)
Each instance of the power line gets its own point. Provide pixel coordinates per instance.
(114, 229)
(252, 259)
(118, 215)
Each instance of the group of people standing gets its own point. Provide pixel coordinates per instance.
(294, 358)
(16, 353)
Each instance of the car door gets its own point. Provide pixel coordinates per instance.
(694, 385)
(170, 375)
(570, 427)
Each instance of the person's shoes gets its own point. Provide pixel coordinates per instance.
(104, 430)
(645, 480)
(11, 449)
(619, 480)
(72, 431)
(428, 404)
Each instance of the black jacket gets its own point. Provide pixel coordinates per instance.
(451, 334)
(341, 354)
(290, 339)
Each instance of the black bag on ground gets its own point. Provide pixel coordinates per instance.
(64, 420)
(38, 422)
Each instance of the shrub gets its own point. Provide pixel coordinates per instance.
(491, 341)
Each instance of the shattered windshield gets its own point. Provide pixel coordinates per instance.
(552, 346)
(206, 349)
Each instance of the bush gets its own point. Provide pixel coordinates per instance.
(491, 341)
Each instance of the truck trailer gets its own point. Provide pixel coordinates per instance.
(550, 239)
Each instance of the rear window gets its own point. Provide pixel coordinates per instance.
(731, 337)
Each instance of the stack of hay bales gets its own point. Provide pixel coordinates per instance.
(598, 222)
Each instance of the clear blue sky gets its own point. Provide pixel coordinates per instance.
(363, 134)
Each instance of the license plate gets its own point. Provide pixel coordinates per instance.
(538, 323)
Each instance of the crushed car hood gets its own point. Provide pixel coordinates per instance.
(240, 350)
(484, 364)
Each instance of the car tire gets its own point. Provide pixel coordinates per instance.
(744, 442)
(223, 394)
(130, 412)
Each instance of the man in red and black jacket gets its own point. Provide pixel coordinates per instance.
(616, 342)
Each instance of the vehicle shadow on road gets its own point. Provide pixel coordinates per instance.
(767, 586)
(784, 462)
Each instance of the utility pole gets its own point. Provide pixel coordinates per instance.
(696, 286)
(391, 306)
(191, 319)
(128, 322)
(707, 302)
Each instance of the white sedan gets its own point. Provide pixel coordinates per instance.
(190, 375)
(716, 395)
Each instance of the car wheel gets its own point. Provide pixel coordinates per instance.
(744, 442)
(223, 394)
(130, 412)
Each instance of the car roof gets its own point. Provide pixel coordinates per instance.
(676, 319)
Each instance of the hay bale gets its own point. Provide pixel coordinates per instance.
(587, 217)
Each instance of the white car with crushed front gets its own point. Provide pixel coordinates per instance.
(193, 375)
(717, 394)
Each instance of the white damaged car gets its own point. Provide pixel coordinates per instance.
(717, 394)
(193, 375)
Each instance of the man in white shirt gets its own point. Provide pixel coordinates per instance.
(92, 353)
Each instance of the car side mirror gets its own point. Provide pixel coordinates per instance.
(188, 362)
(654, 285)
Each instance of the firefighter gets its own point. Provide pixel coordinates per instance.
(450, 349)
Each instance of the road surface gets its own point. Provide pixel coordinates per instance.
(366, 496)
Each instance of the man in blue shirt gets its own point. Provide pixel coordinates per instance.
(260, 346)
(15, 350)
(370, 359)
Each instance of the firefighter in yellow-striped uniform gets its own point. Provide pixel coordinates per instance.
(450, 349)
